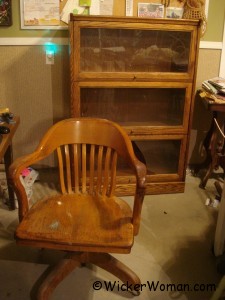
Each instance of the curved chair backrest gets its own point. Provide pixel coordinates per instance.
(87, 148)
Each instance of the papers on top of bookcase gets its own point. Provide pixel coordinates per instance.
(96, 7)
(129, 7)
(85, 3)
(106, 7)
(72, 6)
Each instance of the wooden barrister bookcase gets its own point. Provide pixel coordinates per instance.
(141, 74)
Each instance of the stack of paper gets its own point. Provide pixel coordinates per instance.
(92, 7)
(72, 6)
(215, 88)
(218, 83)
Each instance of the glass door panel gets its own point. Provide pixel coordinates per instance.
(135, 106)
(160, 156)
(133, 50)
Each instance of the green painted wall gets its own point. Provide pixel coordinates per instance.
(216, 15)
(214, 31)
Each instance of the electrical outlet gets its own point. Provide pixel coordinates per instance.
(50, 58)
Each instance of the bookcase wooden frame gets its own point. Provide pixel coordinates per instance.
(89, 85)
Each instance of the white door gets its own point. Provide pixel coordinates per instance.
(220, 232)
(222, 60)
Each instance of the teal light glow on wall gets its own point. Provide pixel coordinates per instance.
(50, 48)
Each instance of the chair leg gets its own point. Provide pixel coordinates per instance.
(115, 267)
(219, 290)
(57, 274)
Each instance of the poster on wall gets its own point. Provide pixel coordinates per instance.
(54, 14)
(42, 12)
(5, 13)
(39, 14)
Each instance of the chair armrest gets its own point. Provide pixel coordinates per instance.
(15, 170)
(141, 172)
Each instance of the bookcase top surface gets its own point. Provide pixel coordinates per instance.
(193, 22)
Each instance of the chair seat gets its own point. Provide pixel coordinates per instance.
(78, 222)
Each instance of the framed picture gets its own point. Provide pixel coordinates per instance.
(42, 14)
(174, 12)
(150, 10)
(54, 14)
(5, 13)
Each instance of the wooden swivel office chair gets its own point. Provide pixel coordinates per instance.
(86, 219)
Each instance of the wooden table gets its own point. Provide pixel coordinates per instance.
(215, 149)
(6, 153)
(214, 141)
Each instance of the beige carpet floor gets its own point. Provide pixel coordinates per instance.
(173, 250)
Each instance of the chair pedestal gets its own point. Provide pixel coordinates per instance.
(74, 260)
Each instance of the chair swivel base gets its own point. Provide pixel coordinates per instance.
(73, 260)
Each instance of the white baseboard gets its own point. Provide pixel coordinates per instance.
(35, 41)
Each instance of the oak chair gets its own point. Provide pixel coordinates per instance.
(85, 219)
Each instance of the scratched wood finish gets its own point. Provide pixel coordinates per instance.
(87, 151)
(79, 220)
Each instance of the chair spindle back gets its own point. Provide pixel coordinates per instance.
(85, 168)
